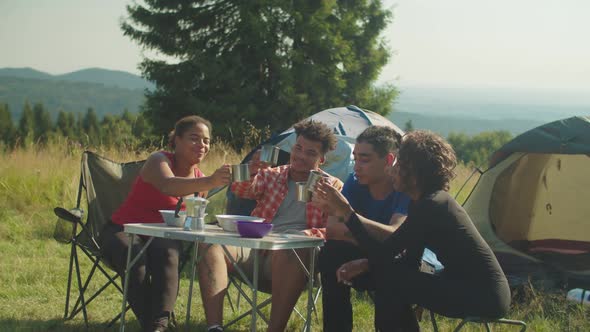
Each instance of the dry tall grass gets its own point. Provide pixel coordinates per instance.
(33, 266)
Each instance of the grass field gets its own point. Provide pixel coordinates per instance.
(33, 266)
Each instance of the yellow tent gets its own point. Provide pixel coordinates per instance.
(532, 205)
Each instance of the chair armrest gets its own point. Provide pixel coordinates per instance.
(73, 215)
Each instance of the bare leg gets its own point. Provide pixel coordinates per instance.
(288, 280)
(212, 270)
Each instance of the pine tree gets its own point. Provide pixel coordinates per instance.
(141, 128)
(267, 62)
(64, 124)
(409, 126)
(7, 129)
(42, 123)
(108, 131)
(116, 131)
(79, 128)
(128, 117)
(91, 127)
(26, 126)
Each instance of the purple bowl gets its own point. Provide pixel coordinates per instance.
(253, 229)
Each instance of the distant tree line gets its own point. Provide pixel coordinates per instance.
(131, 131)
(36, 127)
(478, 149)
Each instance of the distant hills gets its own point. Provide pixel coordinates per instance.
(444, 125)
(25, 73)
(107, 77)
(107, 91)
(472, 110)
(469, 110)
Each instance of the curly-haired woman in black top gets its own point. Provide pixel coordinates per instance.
(472, 282)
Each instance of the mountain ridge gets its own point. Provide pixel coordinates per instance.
(494, 103)
(107, 77)
(440, 109)
(68, 96)
(444, 125)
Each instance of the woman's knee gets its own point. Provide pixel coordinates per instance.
(115, 253)
(210, 252)
(209, 249)
(166, 254)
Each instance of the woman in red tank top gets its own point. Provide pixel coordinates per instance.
(163, 179)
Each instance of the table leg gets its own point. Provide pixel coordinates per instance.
(190, 289)
(310, 303)
(254, 292)
(247, 281)
(126, 282)
(130, 264)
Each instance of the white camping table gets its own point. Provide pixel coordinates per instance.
(215, 235)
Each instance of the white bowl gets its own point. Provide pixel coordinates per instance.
(170, 220)
(228, 221)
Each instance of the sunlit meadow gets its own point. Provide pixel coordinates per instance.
(33, 266)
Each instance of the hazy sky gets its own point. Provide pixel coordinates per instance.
(510, 43)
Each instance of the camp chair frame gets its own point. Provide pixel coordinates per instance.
(239, 279)
(81, 301)
(84, 235)
(479, 320)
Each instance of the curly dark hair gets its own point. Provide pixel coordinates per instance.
(429, 158)
(316, 131)
(184, 124)
(383, 139)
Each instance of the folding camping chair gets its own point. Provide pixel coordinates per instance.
(483, 321)
(475, 320)
(238, 281)
(104, 184)
(479, 320)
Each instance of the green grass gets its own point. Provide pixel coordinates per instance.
(33, 266)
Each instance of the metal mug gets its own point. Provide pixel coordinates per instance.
(240, 172)
(269, 154)
(303, 195)
(313, 179)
